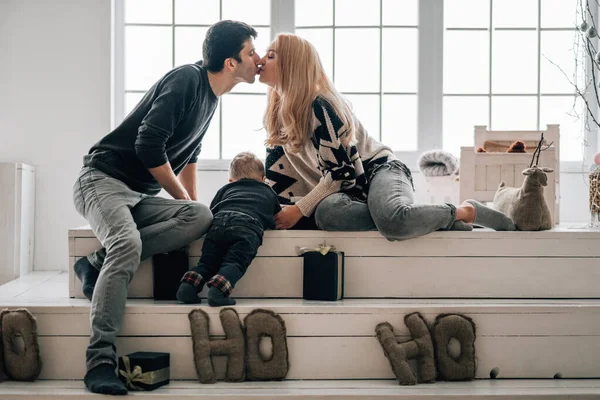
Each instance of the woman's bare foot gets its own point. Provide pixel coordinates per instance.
(466, 212)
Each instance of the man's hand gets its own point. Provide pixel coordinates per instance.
(166, 178)
(287, 217)
(187, 177)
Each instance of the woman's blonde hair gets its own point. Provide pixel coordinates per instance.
(289, 116)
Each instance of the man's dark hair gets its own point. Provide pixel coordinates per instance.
(224, 40)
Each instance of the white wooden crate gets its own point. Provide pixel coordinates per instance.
(481, 173)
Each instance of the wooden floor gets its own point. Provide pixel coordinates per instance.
(330, 390)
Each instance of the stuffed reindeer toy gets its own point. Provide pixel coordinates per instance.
(526, 205)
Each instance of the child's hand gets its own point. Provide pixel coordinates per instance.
(287, 217)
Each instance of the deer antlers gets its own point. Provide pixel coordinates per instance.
(538, 151)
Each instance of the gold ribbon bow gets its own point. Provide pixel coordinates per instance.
(138, 376)
(322, 248)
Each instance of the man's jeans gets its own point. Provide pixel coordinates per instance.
(390, 208)
(131, 227)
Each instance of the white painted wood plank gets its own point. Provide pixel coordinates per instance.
(530, 245)
(507, 174)
(73, 290)
(140, 286)
(350, 357)
(334, 323)
(285, 279)
(492, 177)
(352, 306)
(9, 223)
(484, 385)
(480, 177)
(19, 286)
(472, 277)
(467, 173)
(322, 389)
(423, 277)
(71, 246)
(26, 217)
(563, 231)
(519, 177)
(497, 159)
(55, 287)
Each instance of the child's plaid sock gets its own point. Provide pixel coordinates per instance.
(191, 284)
(216, 298)
(221, 283)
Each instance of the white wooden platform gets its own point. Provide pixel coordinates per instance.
(557, 389)
(561, 263)
(523, 338)
(533, 296)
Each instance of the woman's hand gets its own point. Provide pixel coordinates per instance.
(287, 217)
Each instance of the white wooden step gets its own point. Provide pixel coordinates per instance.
(560, 263)
(522, 338)
(557, 389)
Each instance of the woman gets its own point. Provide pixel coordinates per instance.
(324, 157)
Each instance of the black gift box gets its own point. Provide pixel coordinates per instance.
(144, 370)
(323, 275)
(168, 269)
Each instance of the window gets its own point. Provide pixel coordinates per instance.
(162, 34)
(504, 66)
(370, 51)
(419, 74)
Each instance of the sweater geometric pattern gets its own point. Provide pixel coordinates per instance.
(343, 168)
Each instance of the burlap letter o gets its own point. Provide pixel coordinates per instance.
(265, 323)
(25, 365)
(446, 327)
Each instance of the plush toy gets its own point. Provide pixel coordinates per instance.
(21, 363)
(420, 348)
(259, 324)
(241, 346)
(234, 346)
(451, 367)
(437, 163)
(526, 205)
(517, 147)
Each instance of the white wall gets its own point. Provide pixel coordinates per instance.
(55, 103)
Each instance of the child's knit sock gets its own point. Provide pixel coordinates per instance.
(491, 218)
(102, 379)
(87, 274)
(220, 289)
(216, 298)
(191, 284)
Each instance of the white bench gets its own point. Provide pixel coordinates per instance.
(478, 264)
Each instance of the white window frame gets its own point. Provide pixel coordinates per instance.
(429, 89)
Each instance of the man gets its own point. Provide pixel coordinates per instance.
(156, 146)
